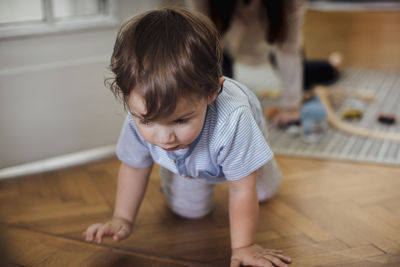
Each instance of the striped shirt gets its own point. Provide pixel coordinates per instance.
(231, 144)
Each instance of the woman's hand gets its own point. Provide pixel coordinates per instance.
(256, 255)
(117, 228)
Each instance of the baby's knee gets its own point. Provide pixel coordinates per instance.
(190, 199)
(190, 213)
(268, 181)
(265, 194)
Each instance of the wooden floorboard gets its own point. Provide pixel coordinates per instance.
(25, 247)
(325, 214)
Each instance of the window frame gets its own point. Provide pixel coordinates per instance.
(52, 26)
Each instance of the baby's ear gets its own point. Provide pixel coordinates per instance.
(221, 81)
(214, 95)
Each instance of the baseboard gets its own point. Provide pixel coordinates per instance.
(59, 162)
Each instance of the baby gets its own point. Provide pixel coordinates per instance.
(200, 127)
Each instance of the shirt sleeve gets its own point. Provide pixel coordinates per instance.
(243, 148)
(131, 148)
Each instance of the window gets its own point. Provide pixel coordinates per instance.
(14, 11)
(74, 8)
(29, 17)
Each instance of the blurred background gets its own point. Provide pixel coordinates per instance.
(54, 56)
(53, 60)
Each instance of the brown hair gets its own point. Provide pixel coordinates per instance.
(164, 55)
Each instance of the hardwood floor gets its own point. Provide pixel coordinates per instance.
(326, 213)
(28, 247)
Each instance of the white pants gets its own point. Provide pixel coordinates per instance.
(193, 198)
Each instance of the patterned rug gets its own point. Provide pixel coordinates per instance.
(384, 85)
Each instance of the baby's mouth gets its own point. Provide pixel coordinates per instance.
(170, 148)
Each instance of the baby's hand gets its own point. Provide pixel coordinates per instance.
(117, 228)
(256, 255)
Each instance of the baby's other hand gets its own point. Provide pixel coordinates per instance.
(117, 228)
(256, 255)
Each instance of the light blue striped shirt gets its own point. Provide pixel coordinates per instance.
(230, 146)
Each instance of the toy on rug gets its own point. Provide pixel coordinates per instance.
(270, 112)
(341, 125)
(388, 119)
(355, 110)
(352, 114)
(313, 117)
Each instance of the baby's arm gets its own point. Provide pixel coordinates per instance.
(132, 183)
(243, 216)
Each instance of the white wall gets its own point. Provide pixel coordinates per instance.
(52, 98)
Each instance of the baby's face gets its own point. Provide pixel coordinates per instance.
(175, 132)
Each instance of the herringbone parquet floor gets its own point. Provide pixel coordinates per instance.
(325, 214)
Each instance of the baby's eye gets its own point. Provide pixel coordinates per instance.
(145, 122)
(181, 121)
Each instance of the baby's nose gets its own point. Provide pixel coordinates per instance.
(166, 135)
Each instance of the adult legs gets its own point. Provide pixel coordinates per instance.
(315, 72)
